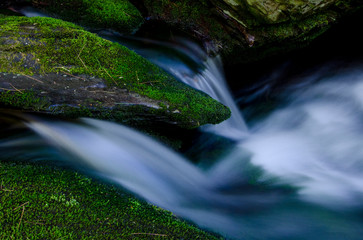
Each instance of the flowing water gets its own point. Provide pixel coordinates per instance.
(293, 173)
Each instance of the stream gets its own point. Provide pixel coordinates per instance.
(289, 166)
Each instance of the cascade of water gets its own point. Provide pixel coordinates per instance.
(29, 11)
(207, 76)
(313, 146)
(212, 82)
(210, 79)
(233, 197)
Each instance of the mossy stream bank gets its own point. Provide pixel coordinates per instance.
(43, 202)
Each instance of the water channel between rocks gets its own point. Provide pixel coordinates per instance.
(290, 172)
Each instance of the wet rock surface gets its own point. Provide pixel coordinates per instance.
(65, 88)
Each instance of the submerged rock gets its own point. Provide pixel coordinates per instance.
(48, 65)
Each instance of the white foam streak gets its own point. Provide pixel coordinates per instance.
(115, 150)
(149, 169)
(212, 81)
(315, 143)
(31, 12)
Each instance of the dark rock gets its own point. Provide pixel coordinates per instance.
(248, 30)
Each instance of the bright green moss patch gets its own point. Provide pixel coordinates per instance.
(120, 15)
(40, 202)
(43, 45)
(23, 100)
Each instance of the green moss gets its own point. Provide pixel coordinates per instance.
(300, 29)
(119, 15)
(24, 100)
(282, 38)
(56, 45)
(132, 115)
(42, 202)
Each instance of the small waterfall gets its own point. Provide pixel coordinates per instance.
(235, 197)
(212, 81)
(29, 11)
(206, 75)
(197, 70)
(296, 174)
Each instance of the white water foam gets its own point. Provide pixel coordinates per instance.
(203, 73)
(212, 81)
(316, 141)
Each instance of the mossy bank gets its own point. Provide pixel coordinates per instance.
(42, 202)
(70, 71)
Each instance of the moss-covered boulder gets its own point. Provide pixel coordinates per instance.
(248, 30)
(48, 65)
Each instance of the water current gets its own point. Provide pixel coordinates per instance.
(293, 172)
